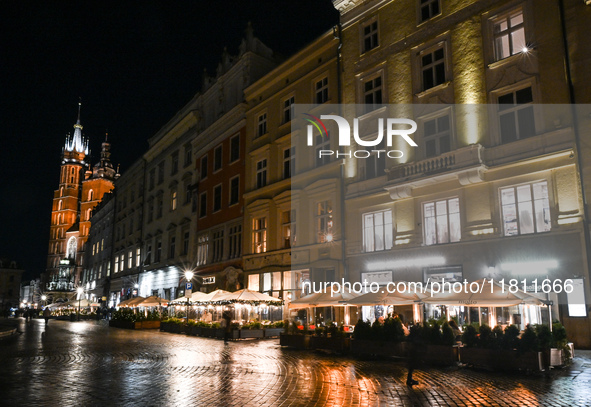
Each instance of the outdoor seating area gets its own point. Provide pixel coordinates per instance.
(252, 314)
(517, 323)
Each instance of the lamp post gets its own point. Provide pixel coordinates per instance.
(80, 291)
(188, 276)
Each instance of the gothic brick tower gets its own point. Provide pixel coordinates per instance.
(81, 188)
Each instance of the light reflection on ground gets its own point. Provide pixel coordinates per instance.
(88, 363)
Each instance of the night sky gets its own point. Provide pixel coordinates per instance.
(134, 64)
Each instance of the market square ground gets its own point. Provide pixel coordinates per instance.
(88, 363)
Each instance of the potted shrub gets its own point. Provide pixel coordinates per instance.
(560, 351)
(251, 330)
(295, 337)
(440, 341)
(274, 329)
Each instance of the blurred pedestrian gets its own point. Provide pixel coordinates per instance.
(414, 338)
(46, 314)
(456, 330)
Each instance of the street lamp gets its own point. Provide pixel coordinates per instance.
(80, 291)
(188, 276)
(44, 299)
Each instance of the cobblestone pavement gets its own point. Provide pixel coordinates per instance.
(88, 363)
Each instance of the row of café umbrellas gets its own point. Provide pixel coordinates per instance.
(225, 297)
(83, 303)
(198, 297)
(491, 295)
(152, 301)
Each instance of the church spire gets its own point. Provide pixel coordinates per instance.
(77, 143)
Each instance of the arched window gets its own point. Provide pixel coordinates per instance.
(88, 213)
(90, 196)
(61, 192)
(59, 206)
(59, 219)
(72, 248)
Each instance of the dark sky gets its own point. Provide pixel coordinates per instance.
(133, 63)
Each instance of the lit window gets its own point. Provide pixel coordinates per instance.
(253, 282)
(130, 259)
(321, 91)
(262, 125)
(202, 247)
(509, 34)
(288, 162)
(287, 109)
(429, 9)
(516, 115)
(526, 209)
(173, 200)
(116, 264)
(261, 173)
(370, 36)
(217, 198)
(138, 257)
(437, 136)
(234, 190)
(442, 221)
(122, 262)
(259, 235)
(324, 222)
(372, 93)
(377, 231)
(433, 67)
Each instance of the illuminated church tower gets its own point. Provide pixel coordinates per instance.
(81, 188)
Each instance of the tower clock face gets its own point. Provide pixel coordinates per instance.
(71, 253)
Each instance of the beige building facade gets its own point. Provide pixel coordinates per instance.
(492, 189)
(293, 230)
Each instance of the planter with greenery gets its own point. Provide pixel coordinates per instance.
(495, 349)
(274, 329)
(126, 318)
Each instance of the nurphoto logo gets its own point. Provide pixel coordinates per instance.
(392, 129)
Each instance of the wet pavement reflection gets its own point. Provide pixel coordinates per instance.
(87, 363)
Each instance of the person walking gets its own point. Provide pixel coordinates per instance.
(414, 339)
(46, 314)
